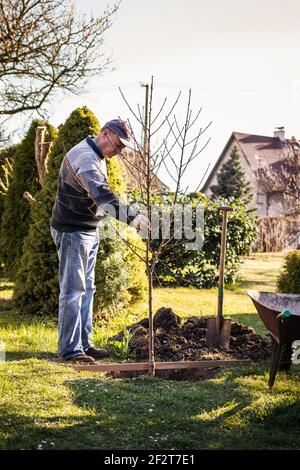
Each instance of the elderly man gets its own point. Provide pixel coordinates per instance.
(83, 198)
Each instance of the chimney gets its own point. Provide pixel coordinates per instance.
(279, 132)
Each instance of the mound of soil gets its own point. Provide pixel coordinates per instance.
(174, 341)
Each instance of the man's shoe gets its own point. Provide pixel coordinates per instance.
(97, 353)
(82, 358)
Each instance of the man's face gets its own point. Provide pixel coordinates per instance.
(113, 145)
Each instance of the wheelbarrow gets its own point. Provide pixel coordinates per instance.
(280, 313)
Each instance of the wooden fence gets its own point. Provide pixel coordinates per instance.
(278, 233)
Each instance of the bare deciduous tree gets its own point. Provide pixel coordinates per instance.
(41, 152)
(180, 145)
(45, 46)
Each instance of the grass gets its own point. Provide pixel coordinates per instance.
(45, 404)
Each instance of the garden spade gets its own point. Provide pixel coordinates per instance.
(219, 329)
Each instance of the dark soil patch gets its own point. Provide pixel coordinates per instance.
(174, 341)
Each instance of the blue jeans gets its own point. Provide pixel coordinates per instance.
(77, 255)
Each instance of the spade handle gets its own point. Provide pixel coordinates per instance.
(225, 210)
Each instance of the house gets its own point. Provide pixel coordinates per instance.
(255, 151)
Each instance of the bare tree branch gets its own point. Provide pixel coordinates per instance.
(45, 46)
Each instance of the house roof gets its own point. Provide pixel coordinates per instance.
(257, 149)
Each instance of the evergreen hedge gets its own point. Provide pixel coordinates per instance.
(15, 218)
(6, 162)
(6, 157)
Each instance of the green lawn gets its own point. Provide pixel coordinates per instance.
(46, 404)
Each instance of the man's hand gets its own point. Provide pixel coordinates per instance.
(141, 223)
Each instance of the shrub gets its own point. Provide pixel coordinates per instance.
(288, 280)
(200, 267)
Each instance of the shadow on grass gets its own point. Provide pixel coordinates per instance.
(120, 416)
(11, 317)
(239, 287)
(285, 417)
(150, 413)
(5, 283)
(6, 287)
(6, 305)
(147, 413)
(21, 355)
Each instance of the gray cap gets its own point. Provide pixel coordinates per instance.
(122, 130)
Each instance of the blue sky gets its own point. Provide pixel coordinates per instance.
(240, 58)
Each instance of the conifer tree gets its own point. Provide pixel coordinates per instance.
(6, 161)
(232, 181)
(15, 217)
